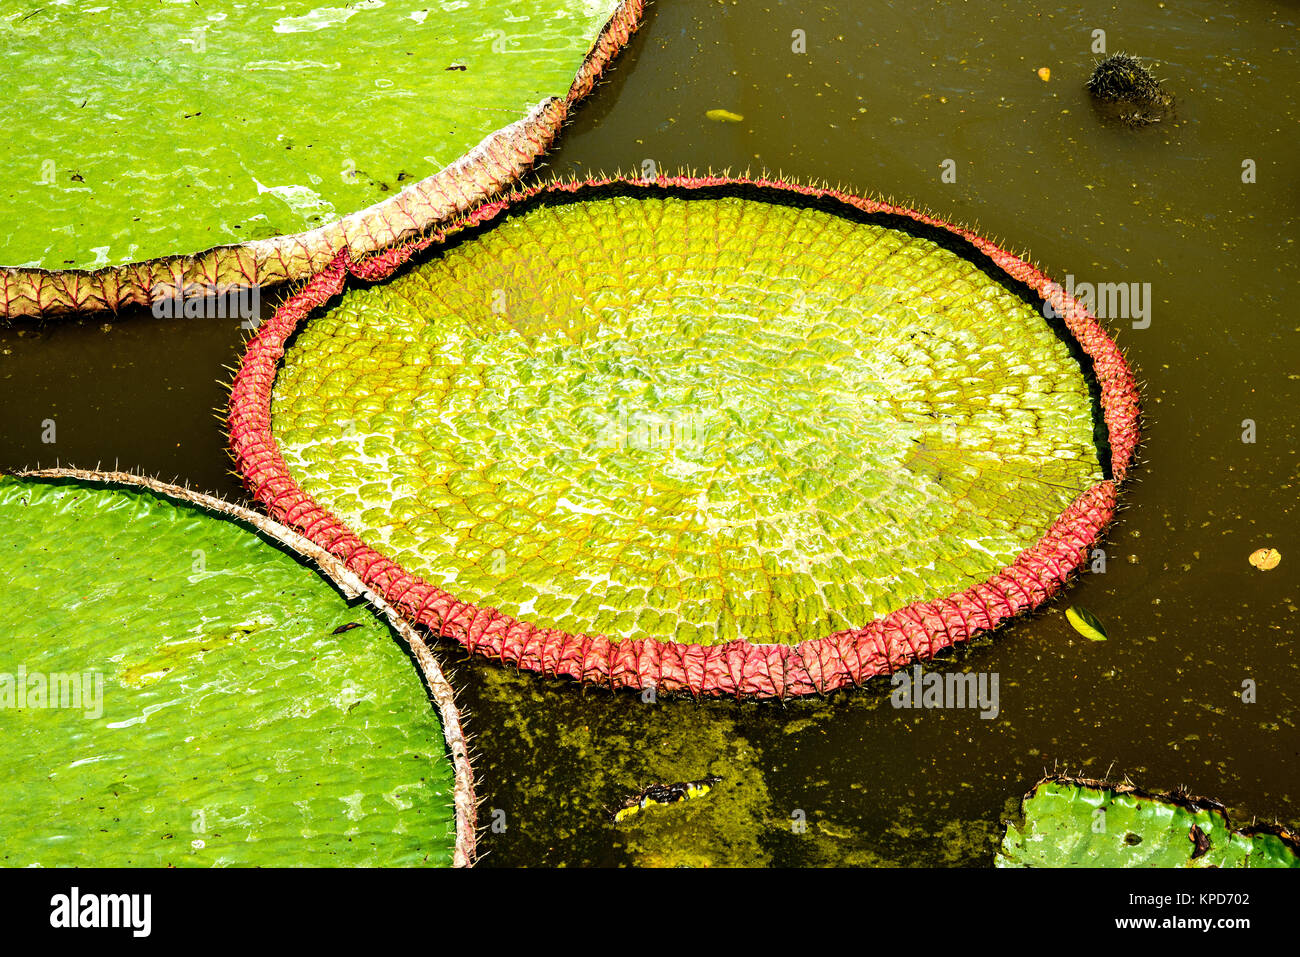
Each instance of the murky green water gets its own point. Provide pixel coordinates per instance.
(882, 97)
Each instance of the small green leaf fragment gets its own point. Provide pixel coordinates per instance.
(1085, 623)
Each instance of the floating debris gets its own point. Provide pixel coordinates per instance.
(664, 794)
(1085, 623)
(724, 116)
(1123, 81)
(1265, 559)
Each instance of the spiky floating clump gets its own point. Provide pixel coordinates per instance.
(464, 436)
(1123, 81)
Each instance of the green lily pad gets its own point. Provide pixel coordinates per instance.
(1078, 823)
(690, 420)
(162, 130)
(177, 689)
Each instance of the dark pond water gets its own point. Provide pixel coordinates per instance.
(884, 95)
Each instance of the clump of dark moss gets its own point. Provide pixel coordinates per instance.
(1124, 82)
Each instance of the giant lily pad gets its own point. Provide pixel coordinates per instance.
(705, 435)
(179, 688)
(1072, 822)
(221, 145)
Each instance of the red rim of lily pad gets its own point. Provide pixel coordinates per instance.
(493, 165)
(915, 632)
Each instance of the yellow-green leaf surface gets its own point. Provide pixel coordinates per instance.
(217, 718)
(689, 419)
(139, 129)
(1085, 824)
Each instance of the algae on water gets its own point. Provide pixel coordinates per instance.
(603, 747)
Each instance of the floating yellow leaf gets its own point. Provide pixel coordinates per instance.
(724, 116)
(1044, 73)
(1265, 559)
(1085, 623)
